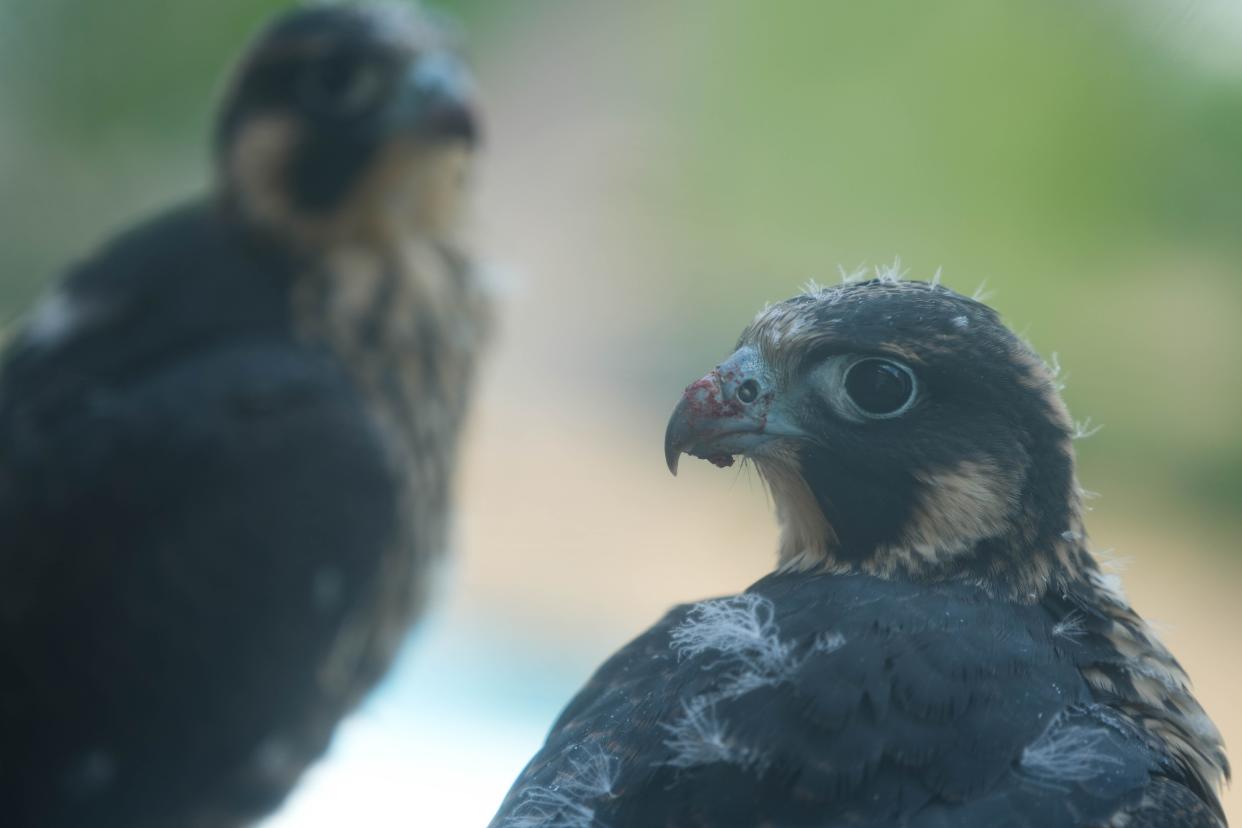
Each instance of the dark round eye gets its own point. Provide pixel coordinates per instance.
(748, 391)
(341, 85)
(880, 387)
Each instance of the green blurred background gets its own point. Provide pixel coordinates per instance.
(654, 173)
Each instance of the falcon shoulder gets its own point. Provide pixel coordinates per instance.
(844, 700)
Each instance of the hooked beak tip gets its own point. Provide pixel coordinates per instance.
(674, 439)
(671, 457)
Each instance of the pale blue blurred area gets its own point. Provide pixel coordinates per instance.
(444, 737)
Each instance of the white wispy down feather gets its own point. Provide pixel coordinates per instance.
(1072, 627)
(1111, 562)
(1054, 368)
(823, 293)
(891, 273)
(828, 642)
(1085, 494)
(1084, 429)
(699, 737)
(569, 802)
(982, 294)
(1069, 753)
(850, 276)
(743, 630)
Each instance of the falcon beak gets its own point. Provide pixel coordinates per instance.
(437, 99)
(732, 410)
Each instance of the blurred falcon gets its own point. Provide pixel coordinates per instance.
(227, 441)
(937, 647)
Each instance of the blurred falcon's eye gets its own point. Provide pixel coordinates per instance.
(880, 388)
(341, 86)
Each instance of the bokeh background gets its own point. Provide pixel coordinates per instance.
(654, 173)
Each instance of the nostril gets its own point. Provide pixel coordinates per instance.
(748, 391)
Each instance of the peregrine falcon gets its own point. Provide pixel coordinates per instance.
(227, 441)
(937, 646)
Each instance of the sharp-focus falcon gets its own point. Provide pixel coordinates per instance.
(937, 648)
(227, 442)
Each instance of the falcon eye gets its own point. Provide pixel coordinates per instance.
(340, 85)
(880, 388)
(748, 391)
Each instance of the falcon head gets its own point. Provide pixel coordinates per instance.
(348, 122)
(901, 428)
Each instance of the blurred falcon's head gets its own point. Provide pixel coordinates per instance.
(902, 428)
(347, 123)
